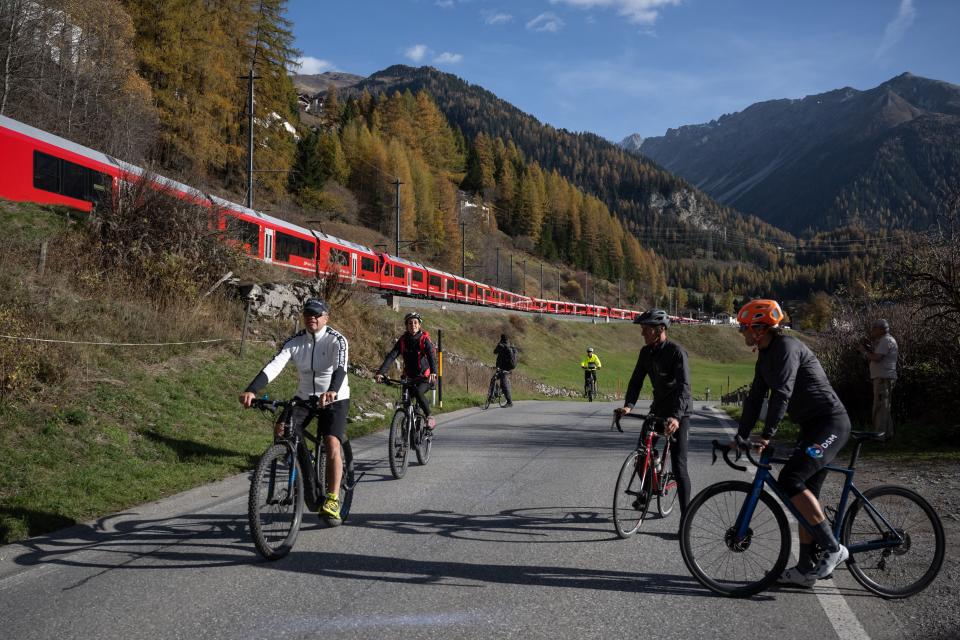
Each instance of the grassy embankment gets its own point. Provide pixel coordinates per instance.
(86, 430)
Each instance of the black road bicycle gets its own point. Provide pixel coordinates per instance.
(590, 382)
(290, 475)
(735, 538)
(408, 430)
(495, 392)
(645, 473)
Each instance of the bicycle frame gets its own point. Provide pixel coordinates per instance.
(765, 478)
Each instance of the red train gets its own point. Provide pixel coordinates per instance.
(36, 166)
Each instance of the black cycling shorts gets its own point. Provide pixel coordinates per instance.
(817, 446)
(331, 420)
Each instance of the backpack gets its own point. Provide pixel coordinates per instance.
(510, 361)
(421, 348)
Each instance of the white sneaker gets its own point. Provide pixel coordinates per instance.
(830, 560)
(793, 576)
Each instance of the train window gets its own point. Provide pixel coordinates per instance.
(73, 180)
(367, 264)
(339, 257)
(287, 245)
(470, 289)
(245, 232)
(397, 271)
(46, 172)
(435, 281)
(417, 276)
(450, 285)
(462, 287)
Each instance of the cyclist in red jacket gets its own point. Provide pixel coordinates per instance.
(419, 362)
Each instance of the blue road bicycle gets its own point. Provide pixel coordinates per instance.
(735, 538)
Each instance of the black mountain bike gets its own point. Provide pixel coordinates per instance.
(735, 538)
(645, 473)
(288, 475)
(408, 430)
(495, 393)
(590, 383)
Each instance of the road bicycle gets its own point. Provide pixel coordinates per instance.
(290, 475)
(645, 473)
(590, 383)
(408, 430)
(735, 538)
(495, 393)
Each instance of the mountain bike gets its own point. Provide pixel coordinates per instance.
(408, 430)
(735, 538)
(645, 473)
(590, 383)
(495, 393)
(288, 475)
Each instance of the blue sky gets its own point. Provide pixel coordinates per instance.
(615, 67)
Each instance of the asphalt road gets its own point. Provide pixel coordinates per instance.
(505, 533)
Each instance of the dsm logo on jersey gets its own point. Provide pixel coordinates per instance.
(816, 451)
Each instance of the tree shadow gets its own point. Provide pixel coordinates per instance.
(188, 450)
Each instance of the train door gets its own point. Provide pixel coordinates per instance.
(409, 274)
(268, 245)
(353, 268)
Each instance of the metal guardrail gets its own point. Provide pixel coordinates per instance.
(737, 396)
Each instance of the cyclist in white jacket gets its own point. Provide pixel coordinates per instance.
(320, 355)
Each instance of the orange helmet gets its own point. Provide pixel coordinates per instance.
(765, 312)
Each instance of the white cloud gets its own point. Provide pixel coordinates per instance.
(308, 65)
(897, 27)
(635, 11)
(497, 18)
(445, 4)
(546, 22)
(417, 52)
(448, 58)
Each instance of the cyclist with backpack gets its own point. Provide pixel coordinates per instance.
(506, 362)
(419, 362)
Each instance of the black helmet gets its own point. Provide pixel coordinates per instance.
(413, 315)
(653, 317)
(315, 307)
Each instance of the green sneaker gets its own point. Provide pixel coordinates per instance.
(331, 509)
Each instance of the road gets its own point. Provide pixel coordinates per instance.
(506, 533)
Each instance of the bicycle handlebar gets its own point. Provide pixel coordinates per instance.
(725, 448)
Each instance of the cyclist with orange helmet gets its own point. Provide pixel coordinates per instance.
(789, 375)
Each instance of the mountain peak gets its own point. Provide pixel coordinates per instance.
(632, 142)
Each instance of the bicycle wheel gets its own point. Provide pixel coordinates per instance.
(632, 494)
(501, 399)
(490, 394)
(906, 568)
(719, 561)
(423, 441)
(275, 505)
(667, 493)
(398, 444)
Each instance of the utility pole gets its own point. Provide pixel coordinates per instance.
(619, 305)
(498, 267)
(558, 285)
(511, 272)
(541, 281)
(249, 78)
(523, 282)
(397, 184)
(463, 250)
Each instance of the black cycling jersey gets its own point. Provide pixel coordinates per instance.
(797, 385)
(666, 364)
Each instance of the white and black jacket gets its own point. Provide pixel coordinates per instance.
(321, 361)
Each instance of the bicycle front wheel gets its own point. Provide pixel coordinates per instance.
(893, 562)
(631, 496)
(397, 444)
(667, 493)
(423, 444)
(490, 394)
(716, 556)
(275, 504)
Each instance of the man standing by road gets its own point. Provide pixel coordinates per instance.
(666, 364)
(882, 356)
(505, 364)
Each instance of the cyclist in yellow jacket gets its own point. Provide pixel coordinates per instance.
(590, 365)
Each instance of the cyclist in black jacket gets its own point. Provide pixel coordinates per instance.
(419, 362)
(504, 366)
(791, 375)
(666, 364)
